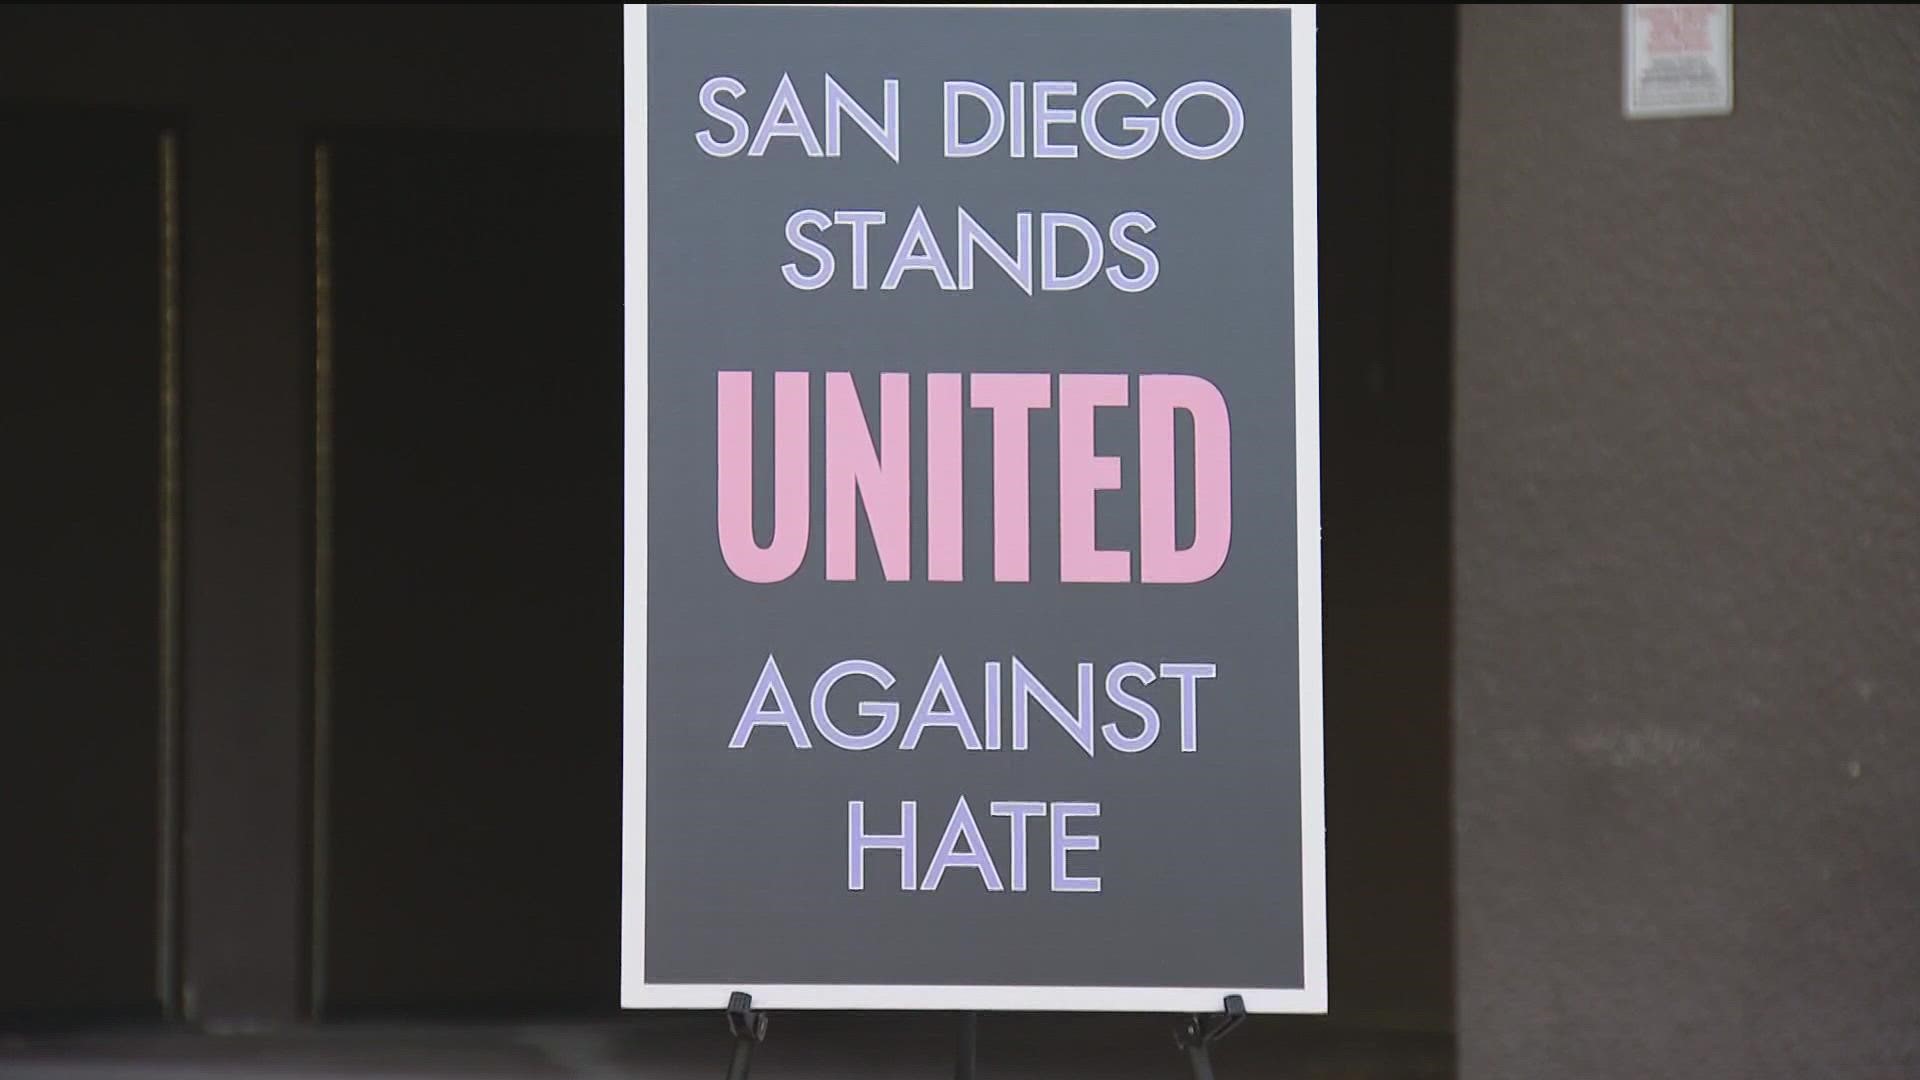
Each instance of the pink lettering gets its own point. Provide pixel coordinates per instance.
(944, 499)
(782, 556)
(1160, 561)
(1083, 474)
(880, 480)
(1011, 397)
(874, 475)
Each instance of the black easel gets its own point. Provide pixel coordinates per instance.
(1196, 1035)
(749, 1026)
(964, 1060)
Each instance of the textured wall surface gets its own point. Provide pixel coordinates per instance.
(1687, 529)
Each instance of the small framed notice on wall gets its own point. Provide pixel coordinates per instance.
(1679, 60)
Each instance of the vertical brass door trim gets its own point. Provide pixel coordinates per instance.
(322, 563)
(167, 930)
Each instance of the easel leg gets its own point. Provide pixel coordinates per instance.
(1197, 1034)
(965, 1061)
(742, 1060)
(749, 1026)
(1200, 1060)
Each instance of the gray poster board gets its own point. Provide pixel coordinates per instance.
(972, 601)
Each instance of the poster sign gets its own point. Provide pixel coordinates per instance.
(972, 509)
(1679, 60)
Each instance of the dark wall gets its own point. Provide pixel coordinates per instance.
(1386, 207)
(249, 89)
(471, 778)
(518, 66)
(83, 688)
(1687, 535)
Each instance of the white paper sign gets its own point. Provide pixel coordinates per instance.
(1679, 60)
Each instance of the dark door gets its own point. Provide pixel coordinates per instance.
(86, 684)
(468, 534)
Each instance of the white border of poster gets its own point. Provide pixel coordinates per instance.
(635, 991)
